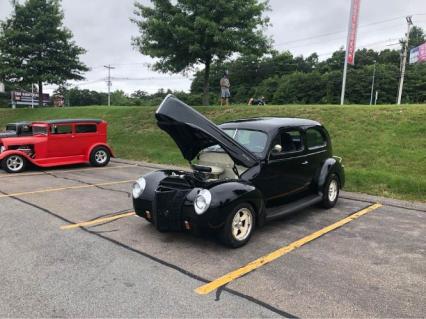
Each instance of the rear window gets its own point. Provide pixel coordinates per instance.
(86, 128)
(315, 139)
(11, 128)
(61, 129)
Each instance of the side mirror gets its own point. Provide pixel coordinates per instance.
(277, 149)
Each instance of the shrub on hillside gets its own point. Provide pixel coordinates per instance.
(4, 99)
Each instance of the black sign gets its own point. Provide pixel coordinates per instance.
(27, 98)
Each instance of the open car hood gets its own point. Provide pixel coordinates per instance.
(193, 132)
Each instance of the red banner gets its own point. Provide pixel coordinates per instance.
(353, 29)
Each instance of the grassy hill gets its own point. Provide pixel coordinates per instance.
(383, 147)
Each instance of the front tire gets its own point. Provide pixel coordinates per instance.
(100, 156)
(14, 164)
(331, 191)
(239, 226)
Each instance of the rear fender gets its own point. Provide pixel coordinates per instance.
(331, 165)
(97, 145)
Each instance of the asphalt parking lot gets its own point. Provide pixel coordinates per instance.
(116, 264)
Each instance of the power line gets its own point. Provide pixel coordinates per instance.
(148, 78)
(338, 32)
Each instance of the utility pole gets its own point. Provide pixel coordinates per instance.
(109, 67)
(372, 83)
(32, 95)
(404, 58)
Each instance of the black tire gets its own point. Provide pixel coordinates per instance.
(227, 235)
(14, 164)
(331, 191)
(100, 156)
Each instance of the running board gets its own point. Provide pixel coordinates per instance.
(279, 211)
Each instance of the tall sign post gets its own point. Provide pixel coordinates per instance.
(404, 59)
(351, 43)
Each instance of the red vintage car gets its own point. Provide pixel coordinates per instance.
(57, 143)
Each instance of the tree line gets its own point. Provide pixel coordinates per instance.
(283, 78)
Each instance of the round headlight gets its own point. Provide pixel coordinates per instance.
(138, 187)
(202, 201)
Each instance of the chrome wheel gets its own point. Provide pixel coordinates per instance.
(242, 224)
(15, 163)
(101, 156)
(333, 190)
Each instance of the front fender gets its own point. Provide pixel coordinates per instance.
(15, 152)
(145, 201)
(226, 196)
(331, 165)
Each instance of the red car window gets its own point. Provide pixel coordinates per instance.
(86, 128)
(61, 129)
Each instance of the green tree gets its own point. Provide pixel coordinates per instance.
(77, 97)
(417, 37)
(118, 97)
(184, 33)
(35, 47)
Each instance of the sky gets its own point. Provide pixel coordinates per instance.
(104, 29)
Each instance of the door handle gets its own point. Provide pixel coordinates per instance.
(305, 163)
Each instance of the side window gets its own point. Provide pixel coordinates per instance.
(26, 130)
(291, 141)
(315, 139)
(61, 129)
(86, 128)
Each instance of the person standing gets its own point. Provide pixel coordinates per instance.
(225, 94)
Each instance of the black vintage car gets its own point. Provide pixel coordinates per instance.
(244, 173)
(17, 129)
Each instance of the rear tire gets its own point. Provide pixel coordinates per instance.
(239, 226)
(14, 164)
(331, 191)
(100, 156)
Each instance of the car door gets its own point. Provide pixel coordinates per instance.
(318, 150)
(61, 141)
(284, 174)
(86, 135)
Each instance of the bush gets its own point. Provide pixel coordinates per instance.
(4, 99)
(303, 88)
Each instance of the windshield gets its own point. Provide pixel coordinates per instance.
(11, 127)
(39, 130)
(254, 141)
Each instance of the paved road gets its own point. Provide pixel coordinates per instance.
(373, 266)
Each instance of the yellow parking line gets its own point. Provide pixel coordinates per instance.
(207, 288)
(49, 190)
(65, 171)
(97, 221)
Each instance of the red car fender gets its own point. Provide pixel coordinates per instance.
(15, 152)
(97, 145)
